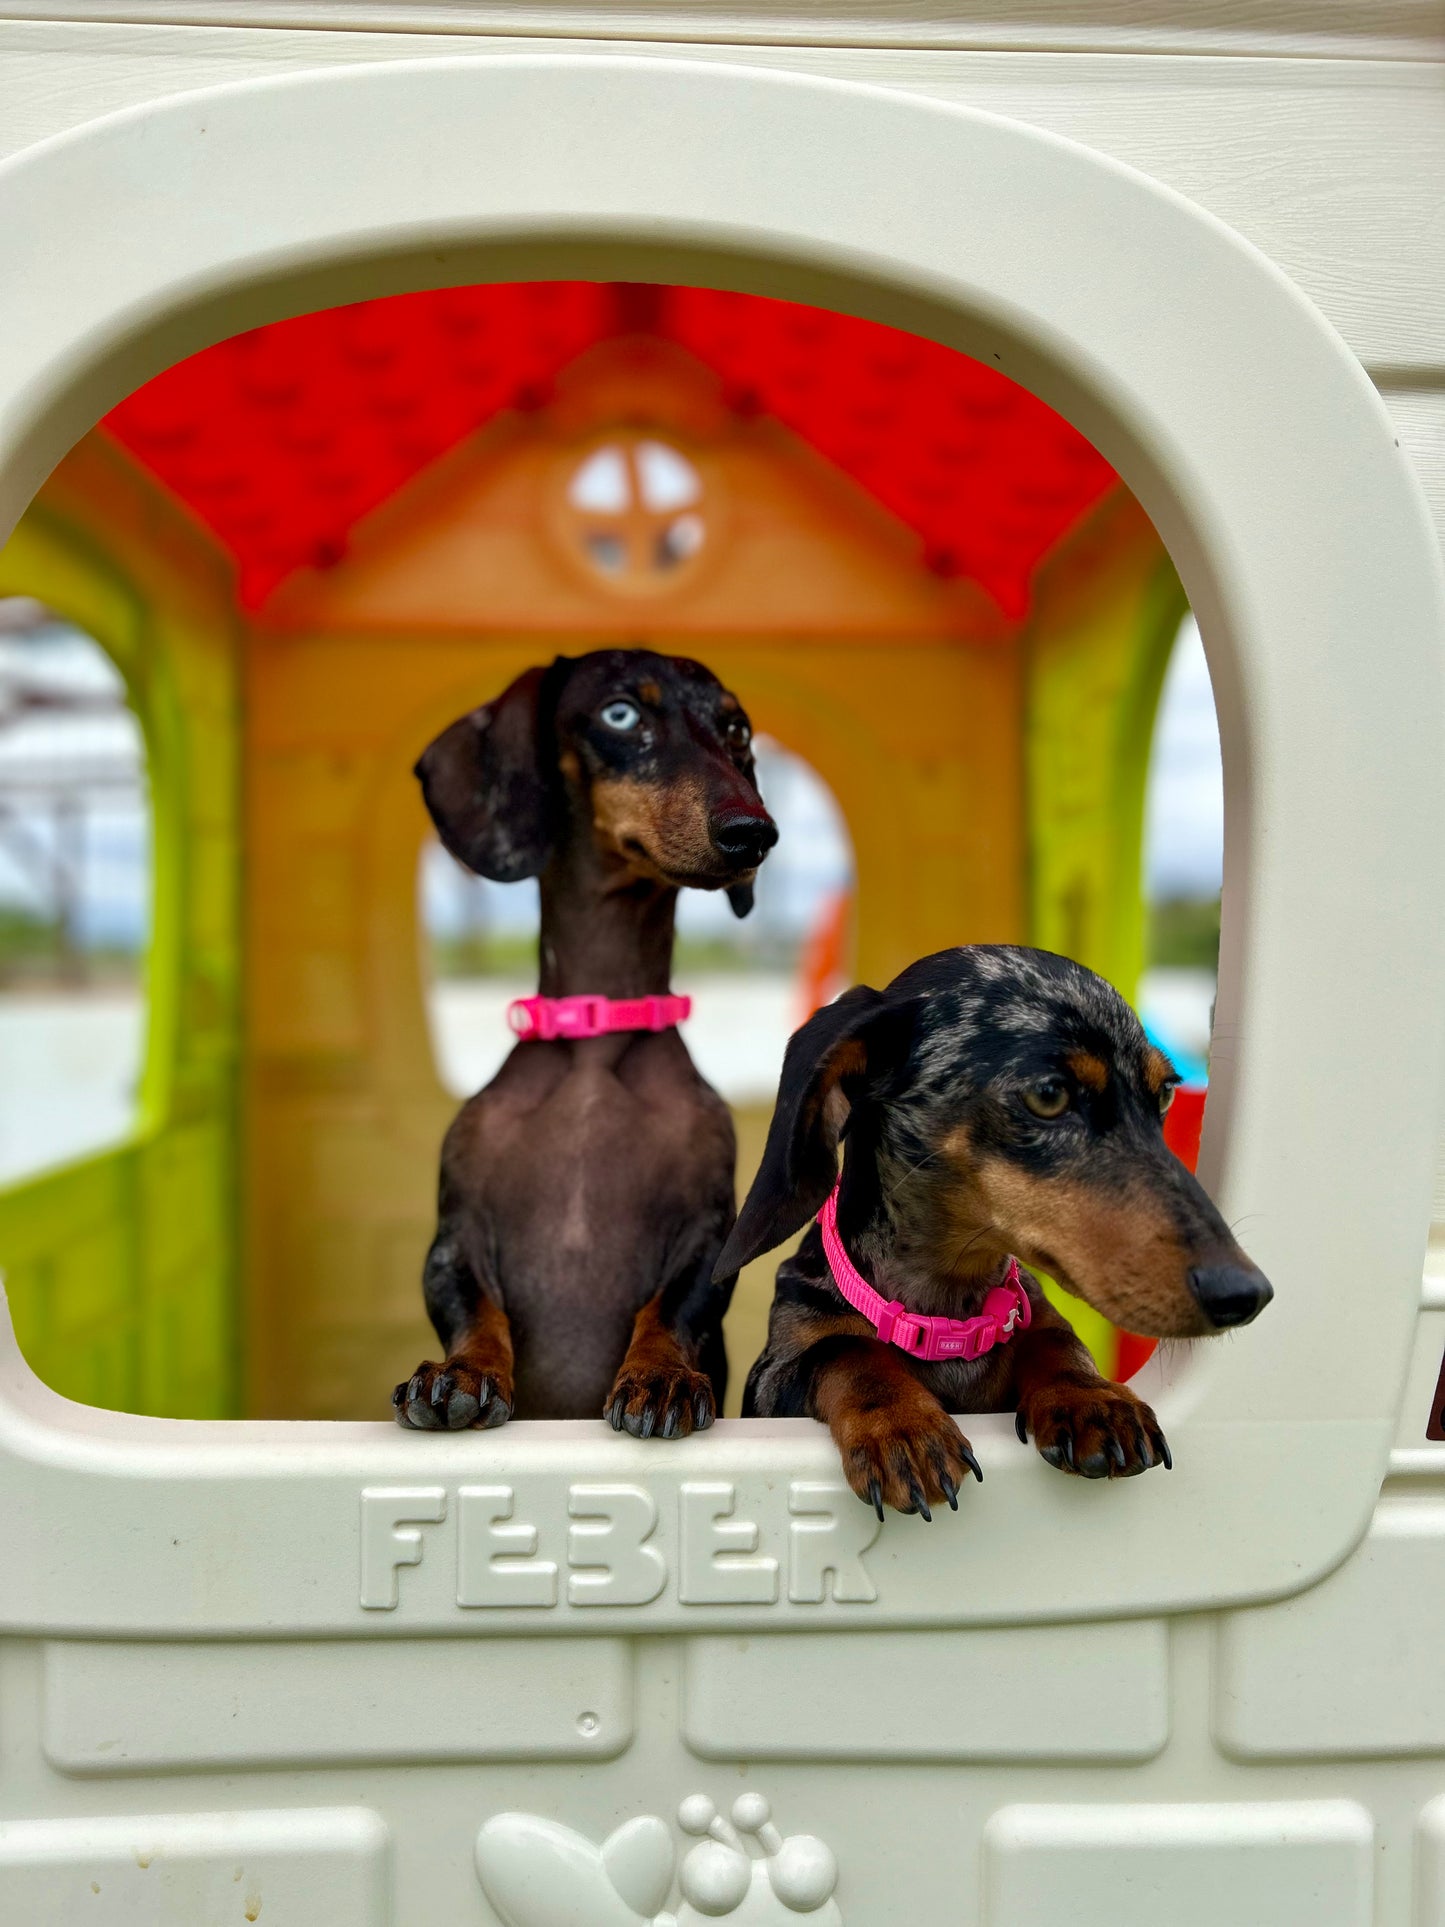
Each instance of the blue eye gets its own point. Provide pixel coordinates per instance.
(622, 716)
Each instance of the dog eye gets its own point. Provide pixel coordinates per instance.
(1166, 1095)
(1048, 1098)
(740, 734)
(622, 715)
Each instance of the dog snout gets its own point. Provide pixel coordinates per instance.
(1229, 1294)
(744, 837)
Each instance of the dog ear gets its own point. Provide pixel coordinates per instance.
(824, 1068)
(487, 781)
(740, 898)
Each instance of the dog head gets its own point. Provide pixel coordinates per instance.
(649, 751)
(1001, 1100)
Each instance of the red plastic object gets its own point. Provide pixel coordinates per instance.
(282, 439)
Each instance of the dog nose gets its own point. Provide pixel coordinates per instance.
(1228, 1294)
(743, 836)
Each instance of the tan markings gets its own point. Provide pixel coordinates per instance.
(487, 1348)
(570, 767)
(659, 832)
(893, 1436)
(1117, 1249)
(654, 1345)
(659, 1375)
(728, 703)
(1157, 1070)
(1090, 1070)
(650, 692)
(846, 1059)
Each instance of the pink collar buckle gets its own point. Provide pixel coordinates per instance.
(544, 1019)
(1006, 1308)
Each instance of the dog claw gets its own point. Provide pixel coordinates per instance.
(702, 1412)
(1116, 1453)
(1021, 1427)
(875, 1493)
(920, 1502)
(966, 1453)
(950, 1490)
(1165, 1454)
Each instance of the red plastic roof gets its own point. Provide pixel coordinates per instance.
(282, 439)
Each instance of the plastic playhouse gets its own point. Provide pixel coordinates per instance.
(392, 499)
(959, 352)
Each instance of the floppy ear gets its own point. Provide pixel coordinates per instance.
(800, 1161)
(487, 782)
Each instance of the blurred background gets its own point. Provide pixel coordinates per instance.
(242, 986)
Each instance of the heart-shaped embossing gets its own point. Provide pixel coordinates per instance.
(538, 1873)
(638, 1859)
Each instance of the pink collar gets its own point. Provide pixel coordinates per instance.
(1006, 1309)
(544, 1018)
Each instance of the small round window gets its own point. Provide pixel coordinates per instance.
(635, 513)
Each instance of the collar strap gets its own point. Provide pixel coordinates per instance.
(1006, 1309)
(542, 1019)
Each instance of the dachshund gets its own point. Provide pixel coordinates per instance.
(998, 1104)
(586, 1192)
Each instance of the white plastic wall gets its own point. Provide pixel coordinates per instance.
(299, 1673)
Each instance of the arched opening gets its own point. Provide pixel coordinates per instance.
(75, 895)
(927, 584)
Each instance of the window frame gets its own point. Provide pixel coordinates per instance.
(1267, 463)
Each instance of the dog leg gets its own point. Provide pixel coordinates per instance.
(898, 1445)
(674, 1377)
(472, 1388)
(1080, 1421)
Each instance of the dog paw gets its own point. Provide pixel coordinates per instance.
(668, 1402)
(450, 1398)
(911, 1459)
(1098, 1430)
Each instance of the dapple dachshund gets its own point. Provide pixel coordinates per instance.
(586, 1192)
(999, 1104)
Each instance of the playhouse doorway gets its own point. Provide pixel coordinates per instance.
(919, 579)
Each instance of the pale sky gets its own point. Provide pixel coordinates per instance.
(1184, 815)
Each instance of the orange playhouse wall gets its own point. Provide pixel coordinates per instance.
(446, 594)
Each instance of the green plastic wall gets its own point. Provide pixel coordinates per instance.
(1106, 613)
(121, 1269)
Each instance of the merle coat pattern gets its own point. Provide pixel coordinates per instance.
(995, 1101)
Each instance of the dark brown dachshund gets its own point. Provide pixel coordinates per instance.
(995, 1101)
(586, 1193)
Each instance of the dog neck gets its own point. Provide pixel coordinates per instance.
(606, 931)
(887, 1232)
